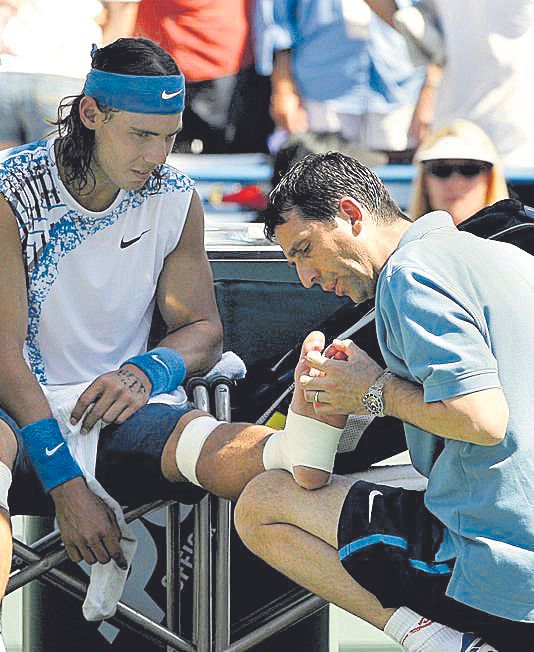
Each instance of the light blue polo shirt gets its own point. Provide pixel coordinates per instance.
(353, 74)
(455, 314)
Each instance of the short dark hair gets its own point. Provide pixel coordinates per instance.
(315, 185)
(127, 56)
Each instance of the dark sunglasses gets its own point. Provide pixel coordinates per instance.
(444, 170)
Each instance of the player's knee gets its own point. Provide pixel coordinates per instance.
(256, 504)
(194, 429)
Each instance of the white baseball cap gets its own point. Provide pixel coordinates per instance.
(454, 147)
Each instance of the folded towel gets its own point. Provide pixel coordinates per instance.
(107, 580)
(229, 366)
(83, 448)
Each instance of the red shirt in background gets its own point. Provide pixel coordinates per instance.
(208, 39)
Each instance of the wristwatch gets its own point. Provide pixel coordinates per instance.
(373, 399)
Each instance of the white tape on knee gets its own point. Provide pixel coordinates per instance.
(5, 483)
(190, 445)
(303, 442)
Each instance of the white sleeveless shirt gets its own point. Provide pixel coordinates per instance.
(91, 276)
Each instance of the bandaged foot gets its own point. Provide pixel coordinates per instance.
(303, 442)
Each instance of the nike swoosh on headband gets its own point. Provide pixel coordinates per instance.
(165, 95)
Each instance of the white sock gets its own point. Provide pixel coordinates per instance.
(418, 634)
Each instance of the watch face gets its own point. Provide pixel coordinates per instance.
(374, 404)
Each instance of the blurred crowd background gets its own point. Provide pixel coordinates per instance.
(445, 84)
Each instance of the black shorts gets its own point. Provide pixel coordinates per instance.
(387, 543)
(128, 464)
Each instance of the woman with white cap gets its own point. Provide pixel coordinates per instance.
(458, 170)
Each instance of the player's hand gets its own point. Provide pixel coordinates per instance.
(344, 377)
(87, 525)
(112, 397)
(314, 342)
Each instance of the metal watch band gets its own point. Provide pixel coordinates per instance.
(373, 399)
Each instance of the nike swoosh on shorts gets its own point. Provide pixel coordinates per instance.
(372, 497)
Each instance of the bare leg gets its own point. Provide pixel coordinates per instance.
(295, 531)
(231, 456)
(233, 453)
(8, 451)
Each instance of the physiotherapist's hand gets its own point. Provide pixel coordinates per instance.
(314, 342)
(112, 397)
(345, 373)
(87, 525)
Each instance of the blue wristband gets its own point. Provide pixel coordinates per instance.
(164, 367)
(49, 453)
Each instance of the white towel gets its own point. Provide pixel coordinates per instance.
(229, 366)
(62, 399)
(107, 581)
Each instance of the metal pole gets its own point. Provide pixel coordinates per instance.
(50, 560)
(125, 615)
(276, 625)
(222, 622)
(201, 398)
(202, 616)
(173, 568)
(202, 602)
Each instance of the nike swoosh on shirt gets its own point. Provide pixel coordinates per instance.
(127, 243)
(165, 95)
(51, 451)
(372, 497)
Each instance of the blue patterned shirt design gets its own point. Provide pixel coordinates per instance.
(26, 182)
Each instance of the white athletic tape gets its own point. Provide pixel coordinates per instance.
(303, 442)
(5, 483)
(190, 445)
(275, 452)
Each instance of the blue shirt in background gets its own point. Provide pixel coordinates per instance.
(367, 72)
(455, 315)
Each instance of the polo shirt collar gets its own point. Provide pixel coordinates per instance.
(426, 224)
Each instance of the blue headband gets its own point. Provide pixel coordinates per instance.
(136, 93)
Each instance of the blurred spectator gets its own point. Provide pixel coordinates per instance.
(459, 171)
(210, 40)
(45, 55)
(487, 49)
(336, 68)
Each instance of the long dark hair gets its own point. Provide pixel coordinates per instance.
(127, 56)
